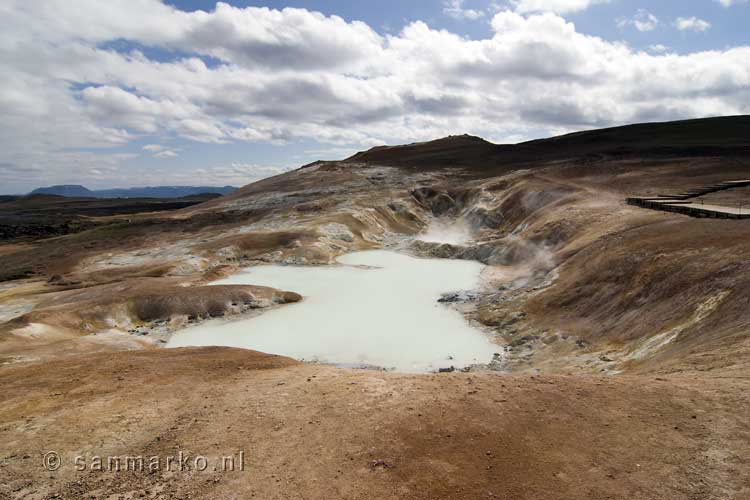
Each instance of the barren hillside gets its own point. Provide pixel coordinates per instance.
(623, 332)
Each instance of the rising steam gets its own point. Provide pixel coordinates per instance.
(453, 232)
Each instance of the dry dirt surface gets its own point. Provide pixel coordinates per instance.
(321, 432)
(623, 333)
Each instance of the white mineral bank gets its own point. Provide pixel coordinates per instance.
(385, 315)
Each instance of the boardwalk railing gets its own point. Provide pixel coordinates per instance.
(679, 203)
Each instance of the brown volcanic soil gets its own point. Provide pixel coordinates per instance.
(624, 333)
(321, 432)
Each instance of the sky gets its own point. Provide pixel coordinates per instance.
(193, 92)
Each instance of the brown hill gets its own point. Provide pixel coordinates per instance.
(722, 136)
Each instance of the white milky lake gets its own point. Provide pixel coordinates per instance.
(376, 308)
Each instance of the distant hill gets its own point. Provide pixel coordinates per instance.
(77, 191)
(68, 190)
(722, 136)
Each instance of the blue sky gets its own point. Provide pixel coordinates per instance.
(142, 92)
(730, 24)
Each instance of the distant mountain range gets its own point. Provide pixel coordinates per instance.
(78, 191)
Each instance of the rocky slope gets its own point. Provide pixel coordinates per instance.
(623, 331)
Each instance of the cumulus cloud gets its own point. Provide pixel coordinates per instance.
(658, 48)
(456, 10)
(557, 6)
(691, 24)
(159, 151)
(642, 21)
(274, 76)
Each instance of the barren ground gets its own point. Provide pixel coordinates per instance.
(321, 432)
(623, 333)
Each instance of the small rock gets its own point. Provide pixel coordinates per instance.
(375, 464)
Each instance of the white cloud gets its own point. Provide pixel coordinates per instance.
(159, 151)
(729, 3)
(456, 10)
(642, 21)
(658, 48)
(169, 153)
(557, 6)
(234, 174)
(280, 76)
(691, 24)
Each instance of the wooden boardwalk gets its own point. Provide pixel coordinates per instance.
(681, 203)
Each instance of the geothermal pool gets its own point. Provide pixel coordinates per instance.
(376, 308)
